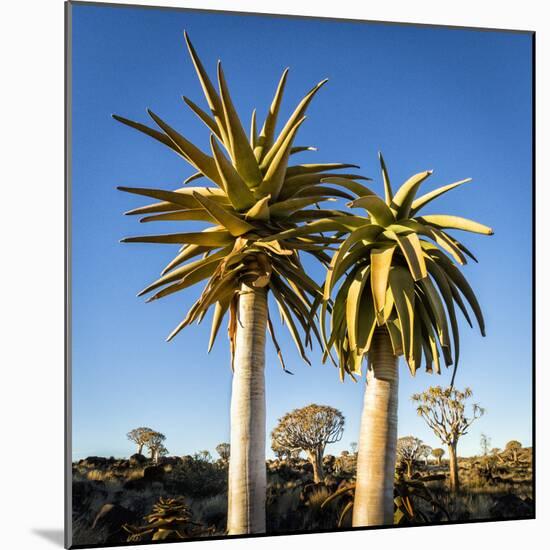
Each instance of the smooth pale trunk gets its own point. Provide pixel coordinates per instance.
(453, 469)
(373, 503)
(139, 449)
(247, 468)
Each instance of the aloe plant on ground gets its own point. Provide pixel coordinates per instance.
(398, 293)
(254, 204)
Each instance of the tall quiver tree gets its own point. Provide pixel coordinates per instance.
(140, 436)
(310, 429)
(399, 285)
(444, 411)
(242, 257)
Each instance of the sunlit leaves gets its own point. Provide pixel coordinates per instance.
(414, 282)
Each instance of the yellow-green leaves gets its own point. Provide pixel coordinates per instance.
(378, 210)
(239, 194)
(213, 239)
(241, 151)
(412, 251)
(455, 222)
(275, 173)
(235, 225)
(260, 211)
(265, 140)
(402, 287)
(381, 261)
(352, 304)
(403, 199)
(388, 193)
(261, 214)
(294, 118)
(402, 256)
(192, 154)
(429, 197)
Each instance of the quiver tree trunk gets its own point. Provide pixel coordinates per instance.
(247, 468)
(409, 464)
(140, 449)
(454, 483)
(316, 459)
(373, 503)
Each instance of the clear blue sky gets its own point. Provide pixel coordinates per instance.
(456, 101)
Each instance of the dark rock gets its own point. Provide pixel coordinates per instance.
(110, 519)
(95, 461)
(139, 485)
(137, 460)
(172, 460)
(153, 473)
(512, 506)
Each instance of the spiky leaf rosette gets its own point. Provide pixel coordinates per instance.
(255, 194)
(399, 269)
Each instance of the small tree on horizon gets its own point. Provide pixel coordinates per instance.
(513, 448)
(443, 410)
(485, 443)
(155, 443)
(353, 446)
(310, 429)
(438, 454)
(408, 451)
(224, 450)
(140, 436)
(425, 452)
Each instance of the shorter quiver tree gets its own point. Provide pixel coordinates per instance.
(438, 454)
(224, 450)
(425, 452)
(512, 449)
(409, 450)
(140, 436)
(155, 444)
(310, 429)
(444, 411)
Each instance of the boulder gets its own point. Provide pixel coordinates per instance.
(137, 460)
(512, 507)
(110, 519)
(153, 473)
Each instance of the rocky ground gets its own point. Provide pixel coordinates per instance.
(109, 493)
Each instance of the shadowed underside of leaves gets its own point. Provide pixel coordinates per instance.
(262, 212)
(399, 270)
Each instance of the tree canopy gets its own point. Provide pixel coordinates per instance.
(444, 410)
(309, 428)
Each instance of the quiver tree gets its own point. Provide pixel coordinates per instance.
(444, 411)
(255, 206)
(396, 284)
(425, 452)
(438, 454)
(485, 444)
(140, 436)
(512, 449)
(155, 443)
(409, 450)
(310, 429)
(224, 450)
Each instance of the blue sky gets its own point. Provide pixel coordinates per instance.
(456, 101)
